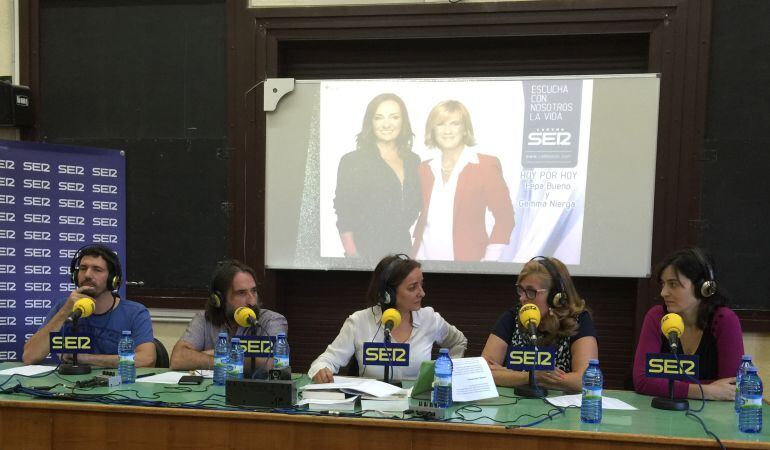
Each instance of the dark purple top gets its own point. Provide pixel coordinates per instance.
(719, 351)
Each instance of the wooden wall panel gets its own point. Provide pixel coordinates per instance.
(518, 38)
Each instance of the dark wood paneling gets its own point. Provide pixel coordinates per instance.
(519, 38)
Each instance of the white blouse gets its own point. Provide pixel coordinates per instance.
(365, 326)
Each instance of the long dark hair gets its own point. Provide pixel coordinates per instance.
(366, 139)
(397, 275)
(697, 265)
(221, 281)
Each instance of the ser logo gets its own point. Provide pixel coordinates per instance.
(257, 346)
(34, 321)
(666, 365)
(70, 343)
(7, 303)
(530, 358)
(9, 355)
(380, 354)
(549, 138)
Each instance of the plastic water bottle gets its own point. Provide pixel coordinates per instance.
(750, 415)
(281, 352)
(745, 364)
(220, 359)
(591, 404)
(442, 380)
(235, 362)
(126, 354)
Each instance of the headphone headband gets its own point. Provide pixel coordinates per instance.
(555, 298)
(115, 272)
(387, 293)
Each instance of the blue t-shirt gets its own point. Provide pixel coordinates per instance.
(107, 328)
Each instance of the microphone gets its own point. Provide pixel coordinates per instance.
(529, 316)
(672, 327)
(83, 307)
(391, 318)
(245, 317)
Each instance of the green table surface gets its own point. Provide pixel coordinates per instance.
(506, 410)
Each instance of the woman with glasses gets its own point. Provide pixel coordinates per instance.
(565, 325)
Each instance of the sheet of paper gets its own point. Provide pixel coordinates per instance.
(163, 378)
(472, 380)
(357, 385)
(27, 371)
(576, 400)
(204, 373)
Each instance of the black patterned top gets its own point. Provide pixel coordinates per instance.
(508, 329)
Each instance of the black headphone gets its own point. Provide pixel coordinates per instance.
(706, 285)
(557, 295)
(387, 293)
(216, 296)
(115, 273)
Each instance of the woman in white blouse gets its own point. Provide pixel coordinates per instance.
(396, 283)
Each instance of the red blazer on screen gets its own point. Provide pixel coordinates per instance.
(479, 186)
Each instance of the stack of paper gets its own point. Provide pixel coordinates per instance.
(341, 395)
(395, 402)
(347, 404)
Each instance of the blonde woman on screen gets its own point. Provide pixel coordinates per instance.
(458, 187)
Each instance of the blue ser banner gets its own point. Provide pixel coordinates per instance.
(54, 199)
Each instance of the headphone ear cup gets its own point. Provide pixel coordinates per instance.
(75, 277)
(115, 283)
(560, 299)
(388, 298)
(708, 288)
(216, 299)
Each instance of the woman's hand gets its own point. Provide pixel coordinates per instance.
(323, 376)
(551, 378)
(723, 389)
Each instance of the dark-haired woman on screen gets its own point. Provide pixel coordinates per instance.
(565, 324)
(377, 198)
(396, 283)
(712, 331)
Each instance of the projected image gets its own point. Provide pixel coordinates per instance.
(453, 170)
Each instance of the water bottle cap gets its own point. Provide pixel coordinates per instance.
(444, 351)
(282, 335)
(236, 340)
(593, 361)
(746, 358)
(223, 334)
(126, 332)
(751, 369)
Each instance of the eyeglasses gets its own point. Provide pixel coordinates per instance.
(531, 293)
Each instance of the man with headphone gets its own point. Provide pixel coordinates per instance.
(95, 271)
(233, 285)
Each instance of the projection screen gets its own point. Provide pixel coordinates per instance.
(494, 172)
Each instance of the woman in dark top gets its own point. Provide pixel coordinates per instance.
(711, 330)
(565, 324)
(378, 193)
